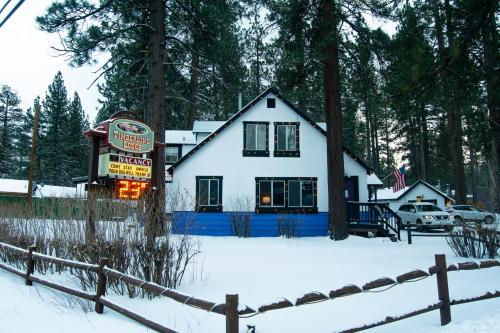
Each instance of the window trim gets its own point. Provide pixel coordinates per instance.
(287, 153)
(179, 152)
(208, 208)
(255, 153)
(286, 209)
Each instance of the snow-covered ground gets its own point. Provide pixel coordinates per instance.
(263, 270)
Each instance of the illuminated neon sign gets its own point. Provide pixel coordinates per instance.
(130, 189)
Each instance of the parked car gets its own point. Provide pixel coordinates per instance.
(468, 213)
(424, 215)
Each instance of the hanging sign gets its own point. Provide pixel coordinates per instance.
(130, 136)
(121, 166)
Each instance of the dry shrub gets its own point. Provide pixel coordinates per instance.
(287, 226)
(119, 236)
(474, 241)
(240, 216)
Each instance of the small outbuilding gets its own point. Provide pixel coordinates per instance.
(419, 192)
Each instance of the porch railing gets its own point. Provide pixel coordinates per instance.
(373, 213)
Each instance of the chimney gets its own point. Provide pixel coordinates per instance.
(240, 101)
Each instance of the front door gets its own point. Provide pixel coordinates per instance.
(351, 193)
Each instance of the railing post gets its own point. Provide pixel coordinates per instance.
(232, 318)
(408, 230)
(101, 285)
(30, 265)
(443, 293)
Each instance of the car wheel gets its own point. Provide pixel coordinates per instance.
(488, 220)
(420, 226)
(459, 219)
(448, 228)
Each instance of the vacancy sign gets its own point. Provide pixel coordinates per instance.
(124, 167)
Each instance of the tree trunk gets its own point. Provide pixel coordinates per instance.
(338, 228)
(450, 103)
(300, 62)
(193, 90)
(492, 71)
(156, 119)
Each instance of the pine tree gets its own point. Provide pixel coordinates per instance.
(23, 144)
(54, 142)
(10, 122)
(77, 150)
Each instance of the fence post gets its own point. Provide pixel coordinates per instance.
(30, 265)
(408, 229)
(232, 318)
(101, 285)
(443, 293)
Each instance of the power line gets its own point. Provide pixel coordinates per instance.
(16, 7)
(1, 10)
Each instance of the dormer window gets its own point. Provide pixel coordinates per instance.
(271, 103)
(173, 153)
(255, 138)
(286, 140)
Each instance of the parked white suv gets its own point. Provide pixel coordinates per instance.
(425, 216)
(466, 213)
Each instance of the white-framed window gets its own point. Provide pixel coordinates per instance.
(272, 193)
(300, 193)
(286, 139)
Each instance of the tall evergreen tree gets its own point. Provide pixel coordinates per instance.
(54, 141)
(10, 122)
(77, 150)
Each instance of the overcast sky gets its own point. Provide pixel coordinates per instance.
(28, 64)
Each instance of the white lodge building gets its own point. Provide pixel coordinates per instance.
(268, 161)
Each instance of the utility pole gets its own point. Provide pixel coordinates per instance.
(33, 150)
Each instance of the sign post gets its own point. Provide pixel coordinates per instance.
(121, 162)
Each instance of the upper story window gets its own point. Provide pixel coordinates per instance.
(255, 138)
(209, 193)
(173, 153)
(286, 139)
(271, 103)
(286, 195)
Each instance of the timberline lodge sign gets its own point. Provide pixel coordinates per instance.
(130, 136)
(122, 166)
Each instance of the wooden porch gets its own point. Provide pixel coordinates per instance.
(373, 217)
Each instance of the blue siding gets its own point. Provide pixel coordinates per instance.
(261, 225)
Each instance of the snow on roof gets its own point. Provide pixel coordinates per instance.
(322, 125)
(206, 126)
(372, 179)
(21, 186)
(13, 185)
(55, 191)
(387, 193)
(184, 137)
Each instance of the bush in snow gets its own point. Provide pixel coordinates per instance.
(287, 226)
(240, 217)
(119, 237)
(477, 241)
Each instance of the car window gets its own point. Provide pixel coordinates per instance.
(475, 209)
(428, 208)
(403, 208)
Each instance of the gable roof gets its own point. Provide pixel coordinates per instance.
(248, 107)
(400, 194)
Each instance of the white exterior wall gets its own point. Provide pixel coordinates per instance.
(223, 157)
(420, 190)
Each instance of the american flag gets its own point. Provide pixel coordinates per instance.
(400, 179)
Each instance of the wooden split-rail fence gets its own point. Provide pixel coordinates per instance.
(231, 309)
